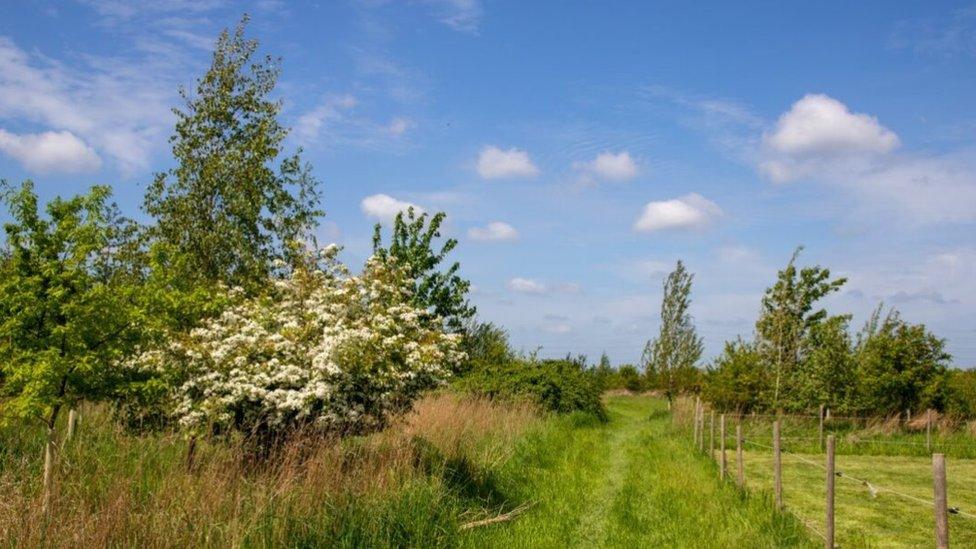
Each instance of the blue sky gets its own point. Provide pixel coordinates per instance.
(579, 148)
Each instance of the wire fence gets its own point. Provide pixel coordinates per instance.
(767, 438)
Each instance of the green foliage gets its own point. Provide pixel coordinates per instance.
(412, 244)
(828, 375)
(630, 378)
(558, 385)
(485, 344)
(737, 378)
(900, 366)
(786, 318)
(70, 307)
(677, 347)
(961, 397)
(225, 205)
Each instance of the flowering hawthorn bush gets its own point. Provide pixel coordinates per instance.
(324, 348)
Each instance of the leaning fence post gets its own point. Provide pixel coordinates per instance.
(829, 526)
(722, 462)
(740, 478)
(777, 467)
(941, 506)
(821, 427)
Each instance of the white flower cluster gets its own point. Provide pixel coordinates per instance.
(323, 347)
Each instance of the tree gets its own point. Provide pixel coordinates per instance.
(828, 375)
(444, 293)
(787, 315)
(69, 307)
(900, 365)
(736, 379)
(224, 205)
(677, 346)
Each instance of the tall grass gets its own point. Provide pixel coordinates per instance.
(413, 483)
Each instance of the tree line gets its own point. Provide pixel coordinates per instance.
(801, 356)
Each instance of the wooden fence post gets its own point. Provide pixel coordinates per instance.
(941, 506)
(711, 435)
(700, 441)
(695, 419)
(821, 427)
(829, 523)
(777, 467)
(72, 423)
(928, 430)
(740, 462)
(721, 460)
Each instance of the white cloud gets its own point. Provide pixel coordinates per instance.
(311, 124)
(610, 167)
(495, 163)
(385, 207)
(816, 130)
(691, 211)
(494, 231)
(569, 288)
(557, 328)
(399, 126)
(526, 286)
(460, 15)
(119, 106)
(50, 152)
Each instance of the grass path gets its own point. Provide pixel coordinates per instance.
(630, 483)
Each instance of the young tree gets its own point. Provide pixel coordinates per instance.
(224, 205)
(829, 374)
(900, 365)
(736, 379)
(68, 307)
(786, 317)
(677, 346)
(444, 293)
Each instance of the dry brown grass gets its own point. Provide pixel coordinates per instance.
(114, 489)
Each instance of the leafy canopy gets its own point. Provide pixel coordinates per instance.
(444, 293)
(225, 205)
(68, 302)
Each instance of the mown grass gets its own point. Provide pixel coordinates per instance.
(872, 516)
(631, 482)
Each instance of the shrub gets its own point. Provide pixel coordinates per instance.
(322, 348)
(558, 385)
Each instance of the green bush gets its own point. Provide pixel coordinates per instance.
(561, 386)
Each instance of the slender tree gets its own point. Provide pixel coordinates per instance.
(225, 205)
(69, 308)
(787, 316)
(677, 346)
(412, 244)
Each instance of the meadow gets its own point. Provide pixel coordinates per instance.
(458, 471)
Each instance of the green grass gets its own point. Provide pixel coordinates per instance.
(863, 520)
(631, 482)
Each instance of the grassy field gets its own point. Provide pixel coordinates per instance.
(413, 484)
(871, 516)
(429, 481)
(632, 482)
